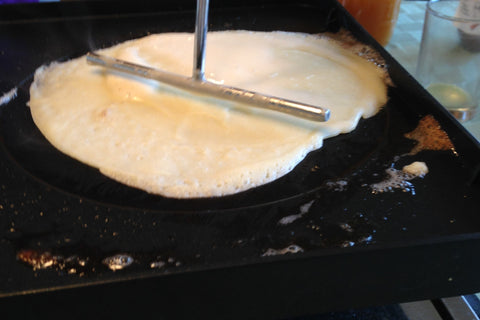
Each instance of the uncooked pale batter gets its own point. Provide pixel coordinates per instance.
(173, 143)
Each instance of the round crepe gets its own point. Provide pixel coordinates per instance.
(177, 144)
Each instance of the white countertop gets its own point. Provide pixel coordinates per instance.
(405, 46)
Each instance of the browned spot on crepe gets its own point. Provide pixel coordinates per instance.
(429, 136)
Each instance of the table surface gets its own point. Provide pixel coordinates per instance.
(405, 46)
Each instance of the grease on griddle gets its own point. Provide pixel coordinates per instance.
(429, 136)
(400, 179)
(350, 231)
(36, 259)
(293, 248)
(118, 262)
(68, 263)
(396, 179)
(291, 218)
(44, 260)
(339, 185)
(159, 263)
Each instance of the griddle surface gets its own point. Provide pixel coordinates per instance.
(348, 247)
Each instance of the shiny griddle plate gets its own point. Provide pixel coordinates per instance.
(208, 257)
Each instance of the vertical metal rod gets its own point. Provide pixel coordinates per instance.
(201, 28)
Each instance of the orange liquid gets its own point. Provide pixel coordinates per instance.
(378, 17)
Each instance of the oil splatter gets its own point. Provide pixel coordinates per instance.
(291, 218)
(290, 249)
(346, 227)
(157, 264)
(367, 239)
(339, 185)
(118, 261)
(400, 179)
(396, 180)
(38, 260)
(347, 244)
(45, 259)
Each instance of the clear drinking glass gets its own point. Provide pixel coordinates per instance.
(449, 62)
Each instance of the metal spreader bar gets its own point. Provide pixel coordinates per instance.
(198, 84)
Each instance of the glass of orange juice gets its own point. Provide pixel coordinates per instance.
(378, 17)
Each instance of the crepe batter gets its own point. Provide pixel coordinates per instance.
(176, 144)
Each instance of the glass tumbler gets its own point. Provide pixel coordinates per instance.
(449, 61)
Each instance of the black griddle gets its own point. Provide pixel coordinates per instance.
(228, 257)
